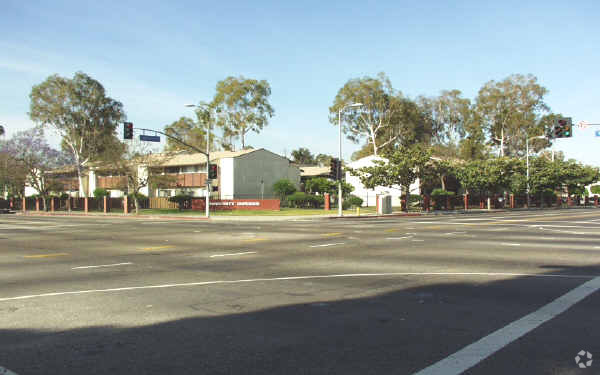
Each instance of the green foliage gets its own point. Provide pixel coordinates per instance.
(100, 192)
(320, 185)
(190, 132)
(439, 197)
(243, 105)
(595, 189)
(137, 195)
(304, 200)
(385, 119)
(183, 200)
(81, 112)
(512, 110)
(283, 188)
(353, 201)
(303, 156)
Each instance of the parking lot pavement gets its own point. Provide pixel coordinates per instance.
(402, 295)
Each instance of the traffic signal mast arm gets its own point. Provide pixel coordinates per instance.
(177, 140)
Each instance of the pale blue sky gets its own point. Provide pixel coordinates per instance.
(155, 56)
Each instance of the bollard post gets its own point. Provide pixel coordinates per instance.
(105, 204)
(52, 204)
(86, 205)
(24, 204)
(37, 204)
(125, 205)
(466, 199)
(512, 201)
(327, 201)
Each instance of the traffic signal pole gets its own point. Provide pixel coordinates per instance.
(195, 149)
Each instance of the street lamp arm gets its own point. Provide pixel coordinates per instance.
(177, 140)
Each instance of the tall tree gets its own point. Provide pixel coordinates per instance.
(81, 113)
(243, 106)
(190, 132)
(450, 113)
(385, 119)
(303, 156)
(30, 148)
(512, 110)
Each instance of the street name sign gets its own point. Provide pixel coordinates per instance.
(149, 138)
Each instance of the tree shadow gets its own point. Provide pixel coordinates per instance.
(370, 325)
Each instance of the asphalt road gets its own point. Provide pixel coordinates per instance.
(497, 293)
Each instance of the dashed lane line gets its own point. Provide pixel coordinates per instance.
(328, 244)
(333, 234)
(471, 355)
(46, 255)
(101, 266)
(255, 240)
(232, 254)
(157, 248)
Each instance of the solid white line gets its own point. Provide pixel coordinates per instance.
(201, 283)
(398, 238)
(5, 371)
(456, 233)
(329, 244)
(102, 265)
(510, 244)
(231, 254)
(472, 354)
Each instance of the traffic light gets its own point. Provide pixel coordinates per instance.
(128, 130)
(212, 171)
(334, 169)
(563, 128)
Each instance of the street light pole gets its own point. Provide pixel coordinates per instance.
(338, 172)
(207, 202)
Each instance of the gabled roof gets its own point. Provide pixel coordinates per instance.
(313, 171)
(172, 160)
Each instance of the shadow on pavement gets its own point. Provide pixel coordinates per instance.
(396, 332)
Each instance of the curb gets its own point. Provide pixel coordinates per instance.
(123, 216)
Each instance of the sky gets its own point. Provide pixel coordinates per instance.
(157, 56)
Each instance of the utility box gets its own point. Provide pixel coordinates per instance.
(384, 204)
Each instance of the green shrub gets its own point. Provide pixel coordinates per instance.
(353, 201)
(595, 189)
(439, 197)
(64, 196)
(182, 200)
(303, 200)
(100, 192)
(139, 196)
(283, 188)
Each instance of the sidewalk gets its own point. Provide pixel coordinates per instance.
(266, 218)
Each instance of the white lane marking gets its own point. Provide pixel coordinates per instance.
(242, 281)
(232, 254)
(455, 233)
(509, 244)
(561, 231)
(596, 247)
(102, 265)
(156, 222)
(398, 238)
(472, 354)
(329, 244)
(5, 371)
(418, 240)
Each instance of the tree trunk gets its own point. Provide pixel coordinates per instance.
(137, 204)
(407, 202)
(80, 177)
(502, 143)
(443, 180)
(375, 149)
(44, 202)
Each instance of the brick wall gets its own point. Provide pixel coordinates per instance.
(236, 204)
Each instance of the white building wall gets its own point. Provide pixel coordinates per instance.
(227, 180)
(255, 174)
(369, 195)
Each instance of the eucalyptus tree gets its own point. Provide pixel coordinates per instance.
(79, 110)
(512, 110)
(243, 106)
(385, 119)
